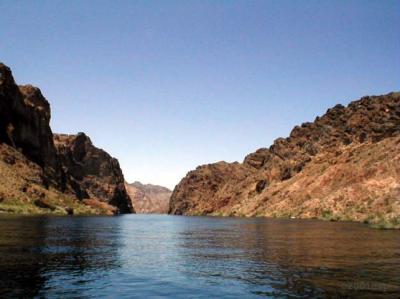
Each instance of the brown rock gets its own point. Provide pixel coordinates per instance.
(149, 199)
(209, 188)
(92, 172)
(42, 203)
(74, 171)
(333, 147)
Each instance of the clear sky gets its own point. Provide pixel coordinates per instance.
(167, 85)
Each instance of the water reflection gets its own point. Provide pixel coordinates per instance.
(168, 256)
(33, 250)
(296, 258)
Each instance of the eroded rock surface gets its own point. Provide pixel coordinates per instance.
(354, 149)
(22, 190)
(24, 125)
(148, 198)
(91, 172)
(38, 177)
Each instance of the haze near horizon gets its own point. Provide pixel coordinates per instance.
(165, 86)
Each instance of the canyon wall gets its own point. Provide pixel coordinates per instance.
(148, 198)
(91, 172)
(42, 172)
(343, 166)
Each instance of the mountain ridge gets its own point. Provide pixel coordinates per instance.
(243, 189)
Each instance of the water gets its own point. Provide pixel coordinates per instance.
(195, 257)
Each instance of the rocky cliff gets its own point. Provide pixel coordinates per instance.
(24, 125)
(23, 191)
(36, 176)
(149, 199)
(91, 172)
(345, 166)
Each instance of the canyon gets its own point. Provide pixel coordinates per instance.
(345, 165)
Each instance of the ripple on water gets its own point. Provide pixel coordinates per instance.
(195, 257)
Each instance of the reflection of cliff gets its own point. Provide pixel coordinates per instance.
(20, 262)
(292, 257)
(38, 252)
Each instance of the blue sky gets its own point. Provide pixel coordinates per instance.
(165, 86)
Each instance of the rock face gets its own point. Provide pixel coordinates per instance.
(149, 199)
(73, 174)
(24, 125)
(345, 165)
(22, 190)
(91, 172)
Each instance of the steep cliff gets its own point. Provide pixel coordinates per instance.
(344, 165)
(91, 172)
(22, 190)
(35, 176)
(149, 199)
(24, 125)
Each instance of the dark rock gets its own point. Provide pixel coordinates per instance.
(75, 167)
(9, 159)
(92, 172)
(286, 174)
(42, 203)
(24, 124)
(363, 137)
(261, 186)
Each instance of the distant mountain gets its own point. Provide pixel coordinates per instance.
(42, 172)
(149, 198)
(343, 166)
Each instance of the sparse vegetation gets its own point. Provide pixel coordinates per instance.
(343, 180)
(21, 191)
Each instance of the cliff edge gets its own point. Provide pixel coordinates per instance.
(45, 173)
